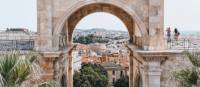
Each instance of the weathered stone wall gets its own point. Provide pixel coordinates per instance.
(53, 14)
(173, 63)
(147, 15)
(61, 6)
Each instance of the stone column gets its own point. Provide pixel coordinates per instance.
(67, 34)
(135, 60)
(48, 67)
(69, 70)
(152, 71)
(44, 19)
(156, 25)
(47, 63)
(56, 69)
(131, 79)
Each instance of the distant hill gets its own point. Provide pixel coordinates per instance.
(97, 30)
(78, 30)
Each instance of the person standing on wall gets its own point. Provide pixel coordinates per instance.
(176, 34)
(168, 34)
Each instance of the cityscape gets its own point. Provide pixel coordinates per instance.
(100, 43)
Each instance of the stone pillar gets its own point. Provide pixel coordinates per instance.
(56, 69)
(48, 67)
(152, 71)
(44, 19)
(47, 63)
(156, 25)
(69, 71)
(131, 79)
(135, 60)
(67, 34)
(133, 70)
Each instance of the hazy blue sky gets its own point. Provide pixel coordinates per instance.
(18, 13)
(184, 14)
(101, 20)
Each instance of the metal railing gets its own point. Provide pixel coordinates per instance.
(8, 45)
(184, 44)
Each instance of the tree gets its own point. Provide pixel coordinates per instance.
(14, 69)
(123, 81)
(186, 77)
(89, 39)
(189, 76)
(90, 75)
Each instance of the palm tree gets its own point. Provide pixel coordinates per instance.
(15, 69)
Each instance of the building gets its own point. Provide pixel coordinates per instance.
(17, 39)
(76, 58)
(90, 59)
(115, 71)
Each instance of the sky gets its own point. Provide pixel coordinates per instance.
(183, 14)
(101, 20)
(18, 14)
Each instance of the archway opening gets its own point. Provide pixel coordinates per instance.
(101, 39)
(136, 35)
(102, 24)
(133, 32)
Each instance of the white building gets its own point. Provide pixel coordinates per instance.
(76, 58)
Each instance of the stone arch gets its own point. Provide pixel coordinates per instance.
(92, 8)
(114, 4)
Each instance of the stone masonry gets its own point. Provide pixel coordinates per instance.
(143, 19)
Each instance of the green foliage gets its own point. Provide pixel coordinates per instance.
(122, 82)
(14, 69)
(96, 67)
(194, 58)
(84, 39)
(189, 76)
(90, 75)
(186, 77)
(89, 39)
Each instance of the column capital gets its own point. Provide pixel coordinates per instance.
(152, 68)
(158, 56)
(50, 54)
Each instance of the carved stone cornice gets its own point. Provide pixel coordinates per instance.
(155, 55)
(50, 54)
(154, 58)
